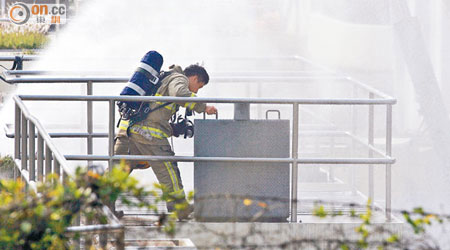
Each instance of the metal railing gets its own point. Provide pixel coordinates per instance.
(375, 97)
(294, 160)
(24, 58)
(35, 163)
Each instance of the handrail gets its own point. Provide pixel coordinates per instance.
(69, 135)
(65, 79)
(122, 79)
(369, 88)
(214, 73)
(323, 101)
(24, 58)
(36, 57)
(41, 130)
(23, 118)
(385, 160)
(382, 99)
(294, 160)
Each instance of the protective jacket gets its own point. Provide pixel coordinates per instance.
(155, 129)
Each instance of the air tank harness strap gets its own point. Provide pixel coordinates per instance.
(139, 118)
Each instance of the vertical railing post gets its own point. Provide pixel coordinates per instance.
(40, 157)
(32, 143)
(24, 156)
(15, 172)
(294, 172)
(111, 134)
(18, 115)
(90, 127)
(354, 118)
(57, 168)
(388, 153)
(120, 240)
(371, 143)
(48, 161)
(17, 135)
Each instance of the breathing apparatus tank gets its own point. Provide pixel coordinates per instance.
(144, 82)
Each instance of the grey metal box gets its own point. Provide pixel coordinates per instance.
(221, 188)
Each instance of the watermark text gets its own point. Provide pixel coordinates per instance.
(21, 13)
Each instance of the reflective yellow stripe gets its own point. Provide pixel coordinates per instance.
(144, 130)
(144, 133)
(190, 105)
(169, 107)
(123, 125)
(172, 175)
(155, 130)
(175, 175)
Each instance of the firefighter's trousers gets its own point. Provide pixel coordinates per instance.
(166, 172)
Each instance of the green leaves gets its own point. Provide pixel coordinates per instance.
(29, 220)
(372, 235)
(6, 163)
(344, 247)
(393, 238)
(32, 221)
(418, 219)
(320, 212)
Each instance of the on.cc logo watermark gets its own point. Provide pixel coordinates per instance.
(21, 13)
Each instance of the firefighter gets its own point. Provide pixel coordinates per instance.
(150, 136)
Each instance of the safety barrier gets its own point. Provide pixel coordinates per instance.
(36, 162)
(385, 158)
(374, 97)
